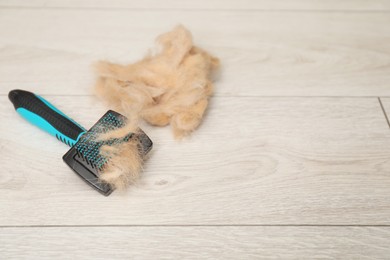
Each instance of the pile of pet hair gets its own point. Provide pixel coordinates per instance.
(172, 87)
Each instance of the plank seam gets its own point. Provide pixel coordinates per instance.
(194, 225)
(194, 10)
(384, 112)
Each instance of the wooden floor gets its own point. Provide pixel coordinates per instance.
(291, 162)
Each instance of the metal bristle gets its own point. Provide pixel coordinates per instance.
(88, 147)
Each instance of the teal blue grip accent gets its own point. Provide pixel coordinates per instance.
(46, 126)
(58, 111)
(43, 114)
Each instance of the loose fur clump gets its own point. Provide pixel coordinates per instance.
(170, 87)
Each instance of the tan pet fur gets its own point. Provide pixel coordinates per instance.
(170, 87)
(125, 164)
(125, 159)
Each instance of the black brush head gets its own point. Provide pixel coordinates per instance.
(84, 157)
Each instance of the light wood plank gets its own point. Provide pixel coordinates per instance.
(253, 161)
(195, 243)
(263, 53)
(329, 5)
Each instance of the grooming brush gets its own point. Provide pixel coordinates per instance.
(83, 157)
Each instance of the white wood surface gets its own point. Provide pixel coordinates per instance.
(262, 53)
(253, 161)
(292, 160)
(196, 243)
(247, 5)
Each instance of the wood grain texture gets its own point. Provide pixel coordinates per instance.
(279, 159)
(195, 243)
(262, 53)
(248, 5)
(253, 161)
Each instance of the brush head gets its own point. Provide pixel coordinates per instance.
(84, 157)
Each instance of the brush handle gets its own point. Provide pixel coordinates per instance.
(41, 113)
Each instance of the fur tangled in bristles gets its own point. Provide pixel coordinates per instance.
(125, 159)
(170, 87)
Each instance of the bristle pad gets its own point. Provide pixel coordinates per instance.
(89, 148)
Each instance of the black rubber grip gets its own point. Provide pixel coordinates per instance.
(40, 107)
